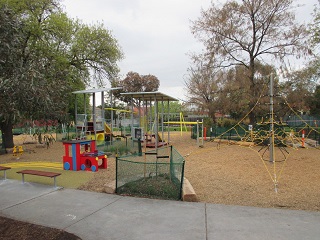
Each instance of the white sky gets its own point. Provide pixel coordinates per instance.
(153, 34)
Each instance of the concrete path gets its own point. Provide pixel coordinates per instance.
(92, 216)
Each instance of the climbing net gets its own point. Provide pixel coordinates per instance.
(272, 140)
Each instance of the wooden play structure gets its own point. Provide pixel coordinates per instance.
(83, 155)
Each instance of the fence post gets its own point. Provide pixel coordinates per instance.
(302, 139)
(139, 147)
(116, 174)
(171, 163)
(181, 181)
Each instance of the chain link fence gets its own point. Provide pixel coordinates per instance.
(156, 174)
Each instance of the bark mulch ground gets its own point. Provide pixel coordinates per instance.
(219, 173)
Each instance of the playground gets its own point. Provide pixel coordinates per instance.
(219, 173)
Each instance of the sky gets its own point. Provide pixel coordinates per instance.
(154, 35)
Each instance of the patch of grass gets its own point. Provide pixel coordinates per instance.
(152, 187)
(67, 179)
(119, 148)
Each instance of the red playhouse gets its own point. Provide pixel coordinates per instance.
(82, 155)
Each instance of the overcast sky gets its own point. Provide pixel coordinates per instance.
(153, 34)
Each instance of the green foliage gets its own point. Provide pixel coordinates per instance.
(314, 102)
(118, 148)
(45, 56)
(208, 122)
(152, 186)
(226, 122)
(44, 138)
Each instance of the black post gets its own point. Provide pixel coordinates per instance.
(182, 176)
(139, 147)
(116, 174)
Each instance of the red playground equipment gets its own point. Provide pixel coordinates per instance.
(82, 155)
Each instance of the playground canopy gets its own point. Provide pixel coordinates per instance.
(150, 96)
(155, 98)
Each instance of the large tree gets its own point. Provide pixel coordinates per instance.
(134, 82)
(240, 33)
(203, 89)
(44, 56)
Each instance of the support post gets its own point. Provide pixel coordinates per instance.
(271, 137)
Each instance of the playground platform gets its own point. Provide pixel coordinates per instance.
(92, 216)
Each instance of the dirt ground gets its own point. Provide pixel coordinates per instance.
(12, 230)
(224, 173)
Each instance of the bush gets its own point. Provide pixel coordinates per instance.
(226, 122)
(118, 148)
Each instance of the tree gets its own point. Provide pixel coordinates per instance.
(314, 102)
(46, 57)
(134, 82)
(300, 87)
(235, 95)
(240, 34)
(202, 89)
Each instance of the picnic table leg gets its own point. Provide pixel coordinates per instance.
(5, 175)
(54, 181)
(22, 178)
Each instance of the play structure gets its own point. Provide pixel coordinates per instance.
(271, 139)
(91, 125)
(151, 127)
(183, 126)
(83, 155)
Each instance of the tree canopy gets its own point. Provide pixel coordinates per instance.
(134, 82)
(243, 33)
(46, 56)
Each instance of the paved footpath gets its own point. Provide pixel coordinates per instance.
(92, 216)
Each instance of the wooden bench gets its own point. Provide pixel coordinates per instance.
(40, 173)
(4, 169)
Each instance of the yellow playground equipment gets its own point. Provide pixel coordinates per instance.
(183, 125)
(17, 150)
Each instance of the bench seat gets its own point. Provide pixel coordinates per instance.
(40, 173)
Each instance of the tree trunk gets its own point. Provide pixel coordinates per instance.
(212, 114)
(252, 117)
(7, 135)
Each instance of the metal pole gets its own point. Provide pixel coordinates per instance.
(162, 127)
(94, 115)
(75, 115)
(198, 133)
(168, 119)
(132, 130)
(271, 138)
(111, 104)
(202, 132)
(156, 132)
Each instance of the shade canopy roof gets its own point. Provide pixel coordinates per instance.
(95, 90)
(150, 96)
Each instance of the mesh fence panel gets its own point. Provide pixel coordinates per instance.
(157, 174)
